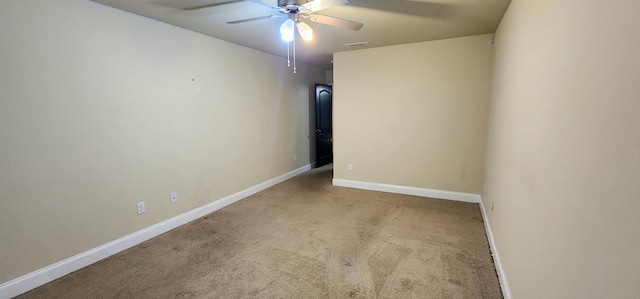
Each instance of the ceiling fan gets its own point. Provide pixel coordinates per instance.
(295, 11)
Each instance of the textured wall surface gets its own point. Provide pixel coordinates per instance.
(101, 109)
(564, 150)
(414, 115)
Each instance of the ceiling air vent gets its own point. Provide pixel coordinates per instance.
(357, 44)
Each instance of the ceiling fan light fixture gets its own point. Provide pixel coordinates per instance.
(305, 31)
(287, 31)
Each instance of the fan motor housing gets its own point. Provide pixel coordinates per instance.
(291, 4)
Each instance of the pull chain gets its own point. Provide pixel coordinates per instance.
(288, 60)
(294, 53)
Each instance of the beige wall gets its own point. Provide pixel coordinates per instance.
(329, 77)
(100, 109)
(563, 164)
(413, 115)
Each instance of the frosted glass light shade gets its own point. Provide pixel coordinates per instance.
(287, 31)
(305, 31)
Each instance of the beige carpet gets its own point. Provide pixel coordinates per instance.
(304, 239)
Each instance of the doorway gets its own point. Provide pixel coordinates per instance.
(324, 139)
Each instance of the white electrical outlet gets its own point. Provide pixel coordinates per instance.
(295, 158)
(141, 208)
(349, 167)
(174, 197)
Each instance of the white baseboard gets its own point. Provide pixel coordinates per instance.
(47, 274)
(440, 194)
(502, 277)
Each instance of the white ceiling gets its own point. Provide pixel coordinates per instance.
(386, 22)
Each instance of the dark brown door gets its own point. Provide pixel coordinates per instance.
(324, 141)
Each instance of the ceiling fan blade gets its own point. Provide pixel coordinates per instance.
(255, 19)
(210, 5)
(317, 5)
(333, 21)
